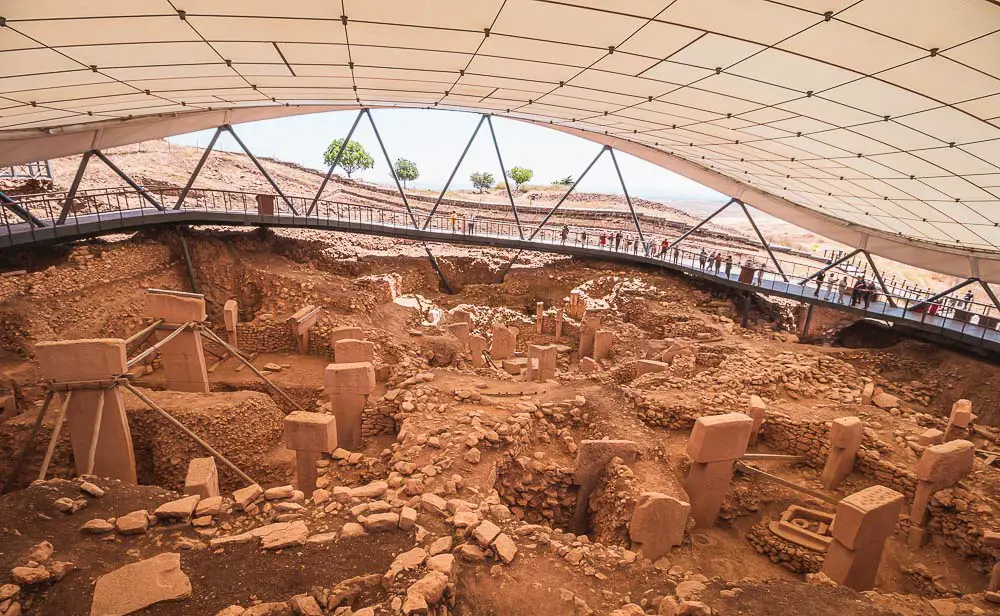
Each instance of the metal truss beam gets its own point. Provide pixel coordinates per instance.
(20, 211)
(628, 199)
(702, 223)
(878, 276)
(68, 204)
(760, 236)
(451, 177)
(135, 186)
(336, 161)
(510, 264)
(228, 128)
(506, 184)
(197, 169)
(823, 270)
(406, 203)
(948, 291)
(990, 294)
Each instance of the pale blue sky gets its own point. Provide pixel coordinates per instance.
(434, 140)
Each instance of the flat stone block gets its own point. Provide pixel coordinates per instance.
(719, 437)
(202, 478)
(312, 432)
(353, 351)
(344, 332)
(133, 587)
(846, 432)
(352, 378)
(645, 366)
(90, 359)
(868, 516)
(945, 464)
(174, 308)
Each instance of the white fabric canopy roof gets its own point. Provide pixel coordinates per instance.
(874, 122)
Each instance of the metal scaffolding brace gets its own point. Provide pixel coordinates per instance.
(451, 177)
(336, 161)
(197, 169)
(503, 173)
(75, 186)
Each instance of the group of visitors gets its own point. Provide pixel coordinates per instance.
(457, 222)
(716, 261)
(863, 291)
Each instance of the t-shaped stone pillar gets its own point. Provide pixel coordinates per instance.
(351, 351)
(183, 357)
(504, 341)
(541, 362)
(344, 332)
(716, 442)
(959, 420)
(461, 331)
(477, 344)
(92, 360)
(863, 522)
(588, 331)
(591, 458)
(301, 322)
(349, 386)
(941, 466)
(560, 315)
(845, 439)
(539, 317)
(231, 316)
(603, 339)
(308, 435)
(658, 524)
(757, 411)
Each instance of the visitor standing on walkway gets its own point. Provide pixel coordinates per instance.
(583, 237)
(718, 262)
(618, 240)
(664, 245)
(842, 286)
(564, 234)
(760, 276)
(820, 277)
(830, 284)
(859, 292)
(454, 220)
(628, 242)
(677, 254)
(472, 225)
(729, 265)
(870, 293)
(701, 258)
(604, 240)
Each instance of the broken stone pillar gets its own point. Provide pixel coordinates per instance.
(658, 524)
(351, 351)
(461, 316)
(183, 357)
(308, 435)
(757, 411)
(930, 436)
(591, 458)
(539, 316)
(861, 527)
(588, 331)
(231, 316)
(541, 362)
(202, 478)
(301, 322)
(603, 339)
(959, 420)
(588, 365)
(560, 315)
(576, 306)
(643, 366)
(477, 344)
(845, 439)
(867, 393)
(716, 442)
(940, 467)
(92, 360)
(344, 332)
(460, 331)
(349, 386)
(504, 341)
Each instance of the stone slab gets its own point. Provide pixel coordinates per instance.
(658, 523)
(350, 378)
(867, 516)
(945, 464)
(312, 432)
(202, 478)
(136, 586)
(353, 351)
(715, 438)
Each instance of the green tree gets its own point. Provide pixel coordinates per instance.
(481, 180)
(406, 170)
(520, 175)
(355, 158)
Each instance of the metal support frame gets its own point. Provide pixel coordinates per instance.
(187, 258)
(27, 445)
(406, 203)
(510, 264)
(19, 210)
(503, 172)
(628, 199)
(128, 180)
(75, 186)
(948, 291)
(451, 177)
(742, 466)
(229, 129)
(701, 224)
(197, 169)
(760, 236)
(808, 322)
(990, 294)
(336, 161)
(210, 335)
(878, 276)
(823, 270)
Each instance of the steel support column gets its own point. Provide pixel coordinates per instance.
(824, 269)
(948, 291)
(990, 294)
(336, 161)
(75, 186)
(702, 223)
(406, 203)
(197, 169)
(135, 186)
(760, 236)
(451, 177)
(628, 199)
(506, 184)
(228, 128)
(878, 276)
(20, 211)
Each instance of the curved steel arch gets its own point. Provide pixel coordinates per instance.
(32, 145)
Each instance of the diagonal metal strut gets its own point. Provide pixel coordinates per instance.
(228, 128)
(197, 169)
(510, 195)
(451, 177)
(628, 199)
(336, 161)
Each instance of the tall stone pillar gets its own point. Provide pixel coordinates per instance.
(477, 344)
(863, 523)
(92, 360)
(588, 331)
(591, 458)
(603, 339)
(504, 342)
(845, 439)
(183, 357)
(301, 322)
(308, 435)
(716, 442)
(349, 386)
(757, 411)
(541, 362)
(231, 316)
(539, 317)
(959, 420)
(461, 331)
(560, 315)
(940, 467)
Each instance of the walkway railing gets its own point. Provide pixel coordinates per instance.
(111, 210)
